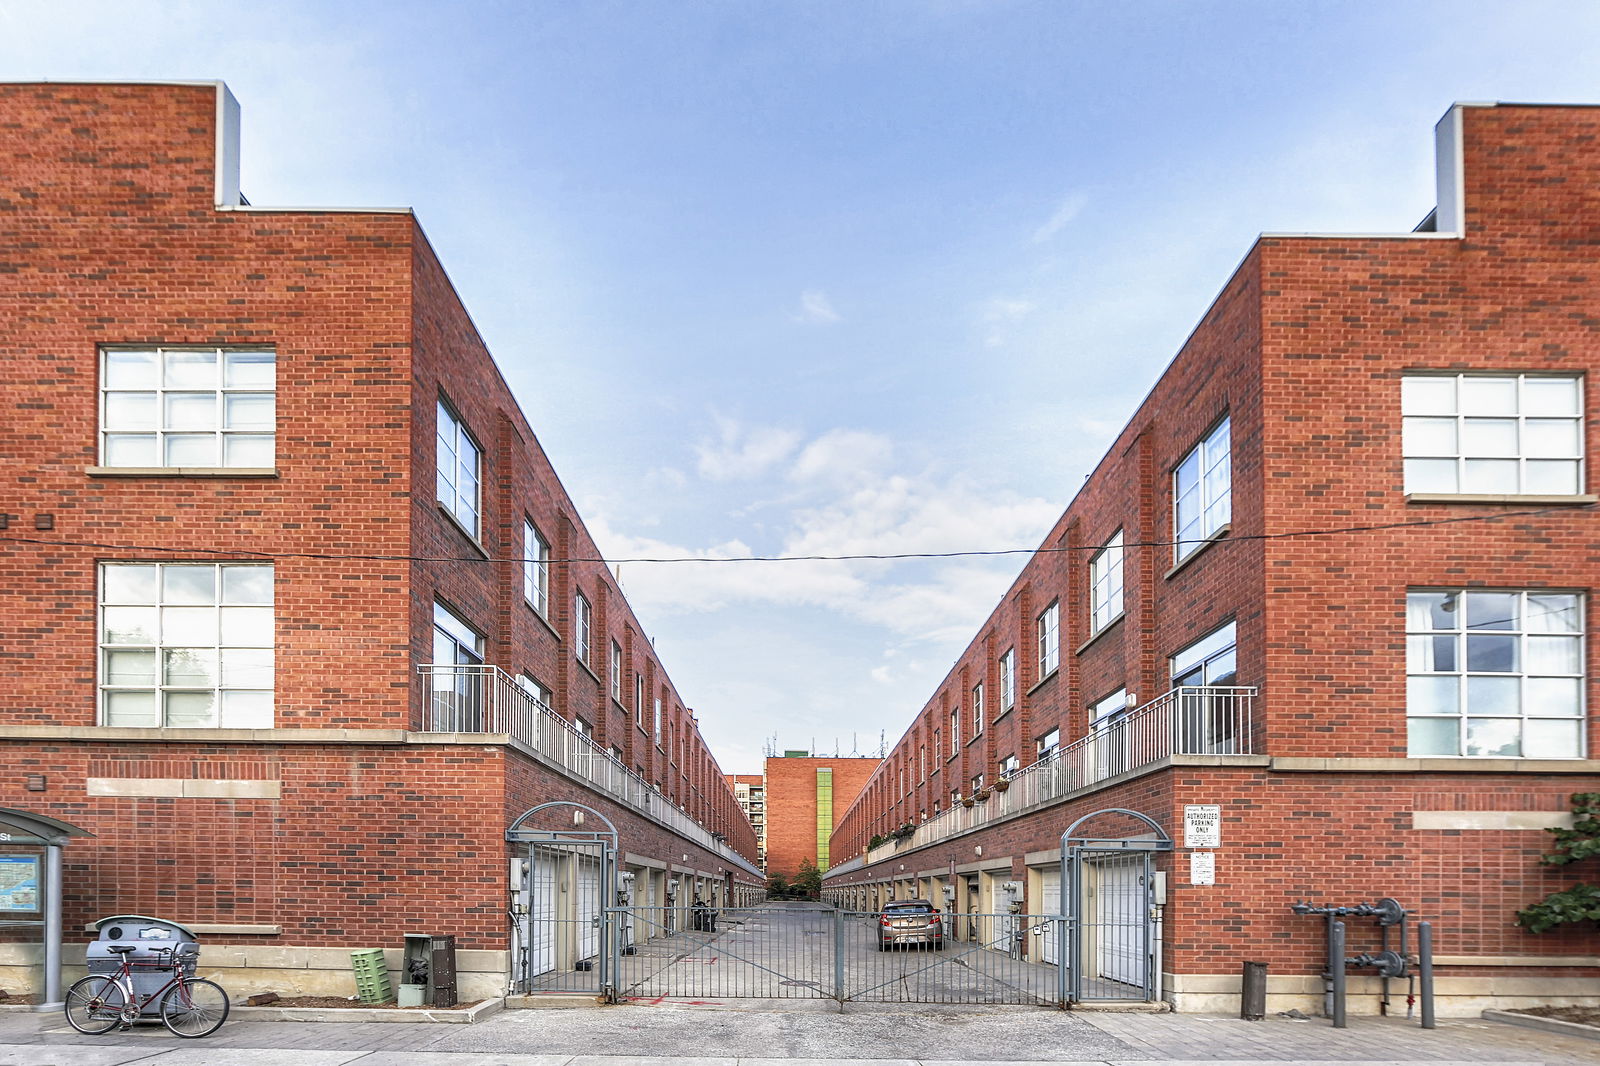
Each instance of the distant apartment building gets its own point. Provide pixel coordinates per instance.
(304, 628)
(805, 797)
(1315, 629)
(749, 791)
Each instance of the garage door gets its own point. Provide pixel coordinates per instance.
(1050, 903)
(1119, 919)
(542, 897)
(588, 908)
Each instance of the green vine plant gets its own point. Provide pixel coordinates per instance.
(1581, 902)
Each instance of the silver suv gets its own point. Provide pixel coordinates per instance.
(910, 921)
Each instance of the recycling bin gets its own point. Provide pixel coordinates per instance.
(157, 945)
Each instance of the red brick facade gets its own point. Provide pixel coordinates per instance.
(793, 802)
(350, 812)
(1304, 353)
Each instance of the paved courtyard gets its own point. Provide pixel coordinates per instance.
(756, 1033)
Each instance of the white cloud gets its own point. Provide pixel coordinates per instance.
(743, 452)
(841, 457)
(1065, 212)
(816, 307)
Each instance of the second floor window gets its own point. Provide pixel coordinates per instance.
(188, 407)
(1105, 583)
(1008, 767)
(1509, 435)
(186, 645)
(1494, 673)
(1008, 680)
(535, 569)
(1049, 744)
(1202, 491)
(456, 470)
(1049, 639)
(533, 688)
(583, 627)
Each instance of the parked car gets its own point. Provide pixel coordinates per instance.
(910, 921)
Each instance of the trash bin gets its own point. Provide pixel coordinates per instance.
(151, 967)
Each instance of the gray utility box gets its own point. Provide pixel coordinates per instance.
(151, 965)
(429, 965)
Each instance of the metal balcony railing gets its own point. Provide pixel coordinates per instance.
(485, 699)
(1185, 721)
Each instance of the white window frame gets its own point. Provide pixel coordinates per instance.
(458, 468)
(535, 568)
(657, 733)
(1106, 584)
(616, 671)
(955, 731)
(1202, 491)
(638, 700)
(583, 626)
(1450, 423)
(1008, 680)
(1471, 649)
(151, 650)
(530, 685)
(1048, 639)
(977, 710)
(1047, 745)
(167, 408)
(1106, 710)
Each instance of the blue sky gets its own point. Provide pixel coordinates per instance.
(832, 278)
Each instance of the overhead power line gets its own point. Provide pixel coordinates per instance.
(234, 553)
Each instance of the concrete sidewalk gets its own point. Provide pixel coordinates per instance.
(766, 1036)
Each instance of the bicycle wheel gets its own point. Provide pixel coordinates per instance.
(94, 1005)
(195, 1008)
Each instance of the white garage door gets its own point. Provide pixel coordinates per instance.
(542, 896)
(588, 908)
(1120, 921)
(1050, 903)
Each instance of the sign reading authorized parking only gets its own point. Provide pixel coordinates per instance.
(1202, 825)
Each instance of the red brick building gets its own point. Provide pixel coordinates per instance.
(1326, 598)
(291, 626)
(806, 796)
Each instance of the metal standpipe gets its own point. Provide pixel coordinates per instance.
(1336, 969)
(1425, 971)
(52, 928)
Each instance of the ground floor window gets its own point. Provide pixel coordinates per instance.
(1494, 673)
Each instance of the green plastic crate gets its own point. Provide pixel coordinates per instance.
(372, 976)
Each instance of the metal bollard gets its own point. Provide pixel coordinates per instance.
(1336, 969)
(1425, 971)
(1253, 998)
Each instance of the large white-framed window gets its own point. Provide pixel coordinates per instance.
(955, 731)
(535, 569)
(1494, 673)
(1202, 491)
(203, 408)
(1479, 434)
(1208, 722)
(977, 709)
(615, 668)
(1108, 744)
(1049, 744)
(1048, 638)
(638, 700)
(657, 731)
(457, 468)
(458, 698)
(455, 642)
(186, 645)
(1105, 584)
(583, 627)
(1008, 680)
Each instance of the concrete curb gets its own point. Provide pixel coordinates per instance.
(1549, 1025)
(449, 1016)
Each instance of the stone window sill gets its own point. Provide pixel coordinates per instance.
(181, 471)
(1482, 498)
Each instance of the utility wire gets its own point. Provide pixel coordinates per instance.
(859, 557)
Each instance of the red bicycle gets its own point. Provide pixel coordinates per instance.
(189, 1007)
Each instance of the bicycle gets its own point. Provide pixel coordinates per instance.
(189, 1007)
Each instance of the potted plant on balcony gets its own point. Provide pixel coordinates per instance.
(981, 795)
(1002, 784)
(967, 801)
